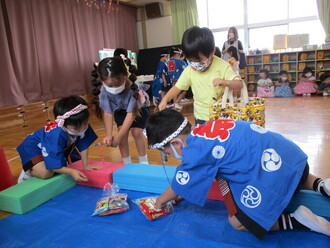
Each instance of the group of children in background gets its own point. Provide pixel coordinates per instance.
(305, 87)
(169, 69)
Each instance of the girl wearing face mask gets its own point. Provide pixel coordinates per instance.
(121, 101)
(307, 84)
(206, 74)
(232, 40)
(282, 85)
(48, 150)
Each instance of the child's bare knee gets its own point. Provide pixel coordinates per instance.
(42, 174)
(136, 133)
(235, 223)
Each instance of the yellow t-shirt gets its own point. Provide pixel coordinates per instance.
(201, 83)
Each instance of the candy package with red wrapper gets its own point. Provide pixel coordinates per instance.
(111, 202)
(147, 207)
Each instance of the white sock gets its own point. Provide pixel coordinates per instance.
(25, 175)
(143, 159)
(127, 160)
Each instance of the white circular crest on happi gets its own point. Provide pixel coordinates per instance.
(182, 177)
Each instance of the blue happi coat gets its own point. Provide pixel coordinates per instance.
(262, 168)
(52, 142)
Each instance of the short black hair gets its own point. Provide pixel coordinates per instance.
(68, 103)
(174, 50)
(233, 51)
(283, 72)
(119, 51)
(164, 52)
(264, 71)
(197, 40)
(306, 70)
(324, 76)
(162, 124)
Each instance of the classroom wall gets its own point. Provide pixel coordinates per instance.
(154, 32)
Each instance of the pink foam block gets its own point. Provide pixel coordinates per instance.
(97, 178)
(6, 178)
(214, 193)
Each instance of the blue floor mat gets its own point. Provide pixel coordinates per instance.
(66, 221)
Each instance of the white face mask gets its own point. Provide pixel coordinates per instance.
(231, 35)
(80, 134)
(114, 91)
(199, 66)
(283, 78)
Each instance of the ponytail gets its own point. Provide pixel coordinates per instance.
(96, 91)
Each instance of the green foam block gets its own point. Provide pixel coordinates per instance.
(23, 197)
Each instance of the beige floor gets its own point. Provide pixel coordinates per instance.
(304, 120)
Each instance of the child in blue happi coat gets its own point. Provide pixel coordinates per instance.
(254, 167)
(175, 69)
(47, 151)
(162, 83)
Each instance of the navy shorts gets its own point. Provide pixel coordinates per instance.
(139, 122)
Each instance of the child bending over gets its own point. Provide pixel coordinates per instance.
(124, 102)
(47, 151)
(255, 168)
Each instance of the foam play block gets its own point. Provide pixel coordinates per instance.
(6, 178)
(152, 178)
(316, 202)
(97, 178)
(144, 177)
(25, 196)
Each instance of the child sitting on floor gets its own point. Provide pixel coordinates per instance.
(282, 85)
(265, 85)
(306, 85)
(324, 87)
(48, 150)
(255, 169)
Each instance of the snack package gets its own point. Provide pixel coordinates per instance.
(111, 202)
(111, 205)
(147, 207)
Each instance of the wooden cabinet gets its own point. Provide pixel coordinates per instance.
(292, 62)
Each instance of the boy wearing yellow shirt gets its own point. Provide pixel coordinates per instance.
(205, 71)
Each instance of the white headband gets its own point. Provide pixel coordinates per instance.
(160, 145)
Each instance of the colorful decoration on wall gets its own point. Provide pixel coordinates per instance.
(106, 5)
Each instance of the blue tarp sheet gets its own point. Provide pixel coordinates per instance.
(66, 221)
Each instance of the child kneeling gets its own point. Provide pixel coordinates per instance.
(255, 168)
(49, 149)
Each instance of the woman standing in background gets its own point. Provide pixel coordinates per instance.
(232, 41)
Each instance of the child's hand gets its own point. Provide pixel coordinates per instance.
(219, 82)
(78, 176)
(162, 105)
(115, 140)
(92, 167)
(107, 140)
(159, 204)
(176, 200)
